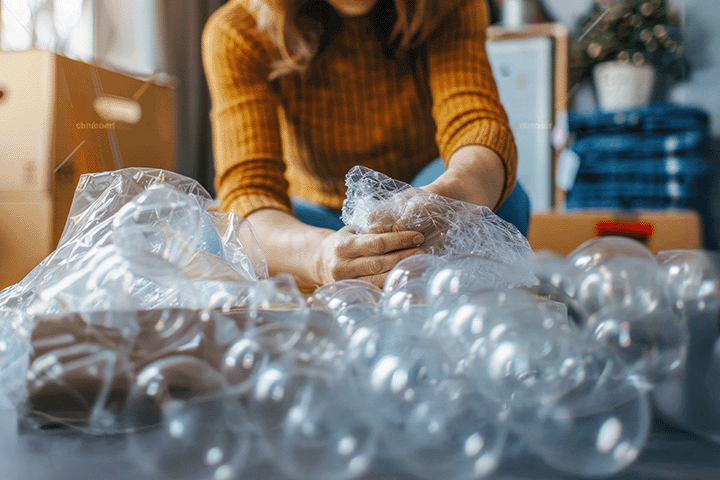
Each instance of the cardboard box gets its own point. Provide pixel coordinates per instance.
(659, 230)
(52, 132)
(26, 226)
(49, 121)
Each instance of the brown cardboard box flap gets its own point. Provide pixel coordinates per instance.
(659, 230)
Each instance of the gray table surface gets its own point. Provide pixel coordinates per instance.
(671, 453)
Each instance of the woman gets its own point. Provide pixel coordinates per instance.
(303, 90)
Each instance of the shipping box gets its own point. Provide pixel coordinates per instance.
(26, 226)
(61, 118)
(659, 230)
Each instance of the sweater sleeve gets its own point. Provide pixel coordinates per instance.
(244, 116)
(466, 104)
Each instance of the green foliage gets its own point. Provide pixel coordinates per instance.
(636, 31)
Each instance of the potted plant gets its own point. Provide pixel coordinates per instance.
(626, 45)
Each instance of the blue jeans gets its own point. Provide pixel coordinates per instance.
(515, 209)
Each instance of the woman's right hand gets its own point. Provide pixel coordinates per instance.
(344, 254)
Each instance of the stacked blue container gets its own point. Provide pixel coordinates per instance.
(651, 158)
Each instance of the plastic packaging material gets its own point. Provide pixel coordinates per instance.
(517, 348)
(116, 371)
(428, 375)
(452, 433)
(451, 227)
(351, 302)
(431, 422)
(14, 355)
(691, 399)
(139, 239)
(194, 440)
(618, 294)
(598, 429)
(560, 393)
(473, 274)
(692, 276)
(309, 424)
(417, 267)
(342, 294)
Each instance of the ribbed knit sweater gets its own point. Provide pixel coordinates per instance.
(300, 134)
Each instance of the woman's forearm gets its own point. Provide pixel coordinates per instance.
(317, 256)
(290, 245)
(475, 174)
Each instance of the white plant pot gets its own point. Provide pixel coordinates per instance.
(622, 86)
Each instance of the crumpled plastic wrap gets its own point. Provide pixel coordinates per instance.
(142, 238)
(155, 318)
(136, 239)
(451, 227)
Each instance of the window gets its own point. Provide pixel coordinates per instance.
(62, 26)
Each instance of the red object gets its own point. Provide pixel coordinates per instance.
(641, 231)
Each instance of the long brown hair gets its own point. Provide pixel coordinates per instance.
(301, 29)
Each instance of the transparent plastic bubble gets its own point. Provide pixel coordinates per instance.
(316, 341)
(452, 432)
(407, 298)
(276, 304)
(514, 346)
(161, 332)
(653, 345)
(344, 293)
(557, 283)
(553, 273)
(242, 361)
(620, 283)
(353, 317)
(396, 376)
(550, 267)
(14, 355)
(322, 341)
(81, 384)
(193, 441)
(601, 249)
(401, 366)
(690, 398)
(451, 227)
(362, 348)
(160, 223)
(277, 293)
(274, 393)
(176, 377)
(597, 429)
(324, 435)
(473, 273)
(692, 277)
(416, 268)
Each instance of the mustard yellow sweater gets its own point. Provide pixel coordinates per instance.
(299, 135)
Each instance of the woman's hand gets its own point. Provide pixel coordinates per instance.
(345, 254)
(415, 209)
(475, 177)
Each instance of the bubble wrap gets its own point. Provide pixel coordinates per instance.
(451, 227)
(154, 318)
(142, 238)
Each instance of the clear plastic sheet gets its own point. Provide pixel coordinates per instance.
(451, 227)
(142, 238)
(214, 370)
(135, 239)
